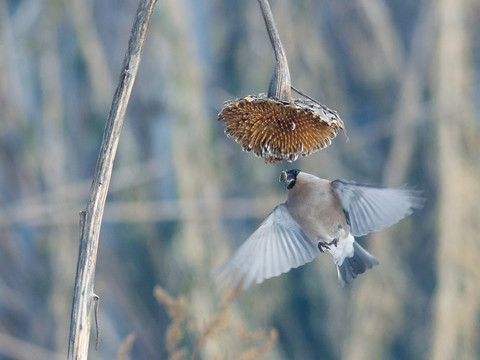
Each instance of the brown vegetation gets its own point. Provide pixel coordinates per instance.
(220, 328)
(277, 130)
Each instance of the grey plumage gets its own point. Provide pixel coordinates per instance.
(355, 265)
(370, 208)
(319, 215)
(277, 246)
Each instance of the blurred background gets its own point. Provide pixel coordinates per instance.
(403, 75)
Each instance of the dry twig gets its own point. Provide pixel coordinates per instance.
(91, 218)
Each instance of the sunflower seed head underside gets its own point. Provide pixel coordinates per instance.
(275, 130)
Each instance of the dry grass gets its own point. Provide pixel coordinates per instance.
(183, 328)
(126, 347)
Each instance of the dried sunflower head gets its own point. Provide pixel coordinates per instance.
(275, 129)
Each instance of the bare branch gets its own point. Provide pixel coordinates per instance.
(83, 293)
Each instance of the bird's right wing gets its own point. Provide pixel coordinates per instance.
(277, 246)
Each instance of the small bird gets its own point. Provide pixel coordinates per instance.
(319, 215)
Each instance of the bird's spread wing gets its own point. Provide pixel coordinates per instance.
(277, 246)
(368, 208)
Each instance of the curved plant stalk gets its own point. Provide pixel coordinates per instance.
(84, 298)
(280, 85)
(275, 126)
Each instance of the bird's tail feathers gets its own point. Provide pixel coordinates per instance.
(360, 261)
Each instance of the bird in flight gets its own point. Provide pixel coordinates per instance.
(319, 215)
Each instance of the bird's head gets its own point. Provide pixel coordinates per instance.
(289, 178)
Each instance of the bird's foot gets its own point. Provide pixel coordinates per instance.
(322, 245)
(333, 242)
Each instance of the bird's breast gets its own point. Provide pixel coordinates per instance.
(319, 217)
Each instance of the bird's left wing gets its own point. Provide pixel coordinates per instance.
(277, 246)
(369, 208)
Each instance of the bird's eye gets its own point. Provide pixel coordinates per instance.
(296, 172)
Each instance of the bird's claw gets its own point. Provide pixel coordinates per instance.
(322, 245)
(333, 242)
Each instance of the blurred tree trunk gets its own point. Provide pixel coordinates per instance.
(456, 308)
(52, 167)
(92, 52)
(201, 239)
(197, 172)
(377, 305)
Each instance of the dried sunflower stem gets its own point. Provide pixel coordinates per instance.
(91, 218)
(280, 85)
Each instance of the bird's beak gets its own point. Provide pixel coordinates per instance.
(286, 178)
